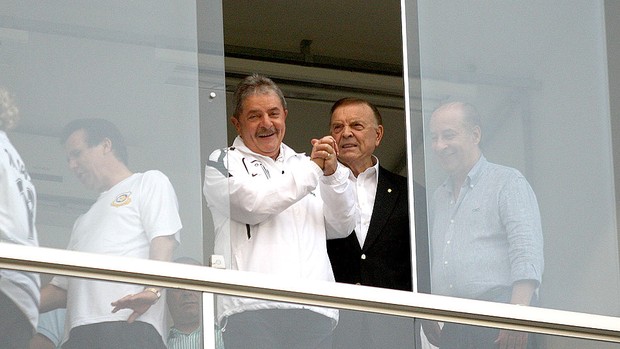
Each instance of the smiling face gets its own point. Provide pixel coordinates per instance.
(261, 123)
(357, 134)
(86, 161)
(455, 142)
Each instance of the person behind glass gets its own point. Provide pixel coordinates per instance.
(377, 253)
(486, 234)
(265, 202)
(135, 215)
(19, 291)
(185, 308)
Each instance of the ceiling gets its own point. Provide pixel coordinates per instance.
(320, 32)
(305, 45)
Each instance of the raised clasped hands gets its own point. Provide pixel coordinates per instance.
(325, 154)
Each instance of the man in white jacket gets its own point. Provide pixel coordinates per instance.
(273, 209)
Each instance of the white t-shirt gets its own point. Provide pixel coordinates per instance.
(122, 222)
(17, 226)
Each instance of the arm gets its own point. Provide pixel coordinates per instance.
(337, 192)
(161, 249)
(340, 208)
(238, 188)
(522, 219)
(522, 292)
(39, 341)
(52, 297)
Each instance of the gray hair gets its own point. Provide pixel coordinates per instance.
(254, 84)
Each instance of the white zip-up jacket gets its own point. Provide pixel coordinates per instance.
(274, 216)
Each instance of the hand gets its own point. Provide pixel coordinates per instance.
(511, 340)
(325, 154)
(432, 331)
(139, 303)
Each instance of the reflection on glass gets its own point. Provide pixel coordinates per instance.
(185, 309)
(486, 235)
(512, 61)
(135, 215)
(19, 291)
(135, 65)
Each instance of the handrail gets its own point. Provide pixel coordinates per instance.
(344, 296)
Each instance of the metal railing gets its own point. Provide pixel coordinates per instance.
(334, 295)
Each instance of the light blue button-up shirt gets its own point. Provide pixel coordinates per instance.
(489, 237)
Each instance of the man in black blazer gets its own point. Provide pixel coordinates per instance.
(378, 252)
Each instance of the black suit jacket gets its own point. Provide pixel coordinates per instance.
(385, 259)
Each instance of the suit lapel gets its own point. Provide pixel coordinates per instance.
(385, 200)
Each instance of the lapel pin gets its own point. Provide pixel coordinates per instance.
(389, 190)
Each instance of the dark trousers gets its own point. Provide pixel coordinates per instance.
(15, 328)
(458, 336)
(278, 329)
(115, 334)
(358, 330)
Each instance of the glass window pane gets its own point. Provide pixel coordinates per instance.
(134, 65)
(145, 70)
(536, 73)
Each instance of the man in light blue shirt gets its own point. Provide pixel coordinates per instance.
(486, 235)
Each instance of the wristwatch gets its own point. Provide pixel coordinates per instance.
(154, 290)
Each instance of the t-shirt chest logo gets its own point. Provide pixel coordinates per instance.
(122, 199)
(255, 168)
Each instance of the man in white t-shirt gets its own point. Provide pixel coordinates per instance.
(135, 215)
(19, 291)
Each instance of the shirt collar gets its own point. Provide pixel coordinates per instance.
(472, 177)
(173, 332)
(476, 172)
(369, 170)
